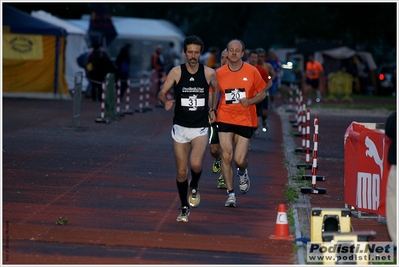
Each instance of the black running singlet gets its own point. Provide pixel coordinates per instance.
(191, 95)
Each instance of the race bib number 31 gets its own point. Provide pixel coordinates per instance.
(193, 102)
(233, 96)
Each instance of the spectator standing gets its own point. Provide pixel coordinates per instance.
(313, 71)
(242, 88)
(170, 57)
(123, 66)
(98, 65)
(158, 66)
(194, 111)
(290, 68)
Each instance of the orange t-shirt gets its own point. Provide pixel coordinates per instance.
(234, 85)
(313, 69)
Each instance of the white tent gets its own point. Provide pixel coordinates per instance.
(343, 52)
(76, 44)
(142, 34)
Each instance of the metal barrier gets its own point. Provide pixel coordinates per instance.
(77, 99)
(144, 93)
(127, 101)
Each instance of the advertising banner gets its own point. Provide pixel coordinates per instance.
(366, 167)
(22, 46)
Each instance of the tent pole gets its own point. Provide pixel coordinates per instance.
(57, 50)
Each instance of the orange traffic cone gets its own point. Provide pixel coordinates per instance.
(282, 230)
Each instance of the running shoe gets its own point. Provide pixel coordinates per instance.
(231, 200)
(318, 97)
(244, 182)
(265, 126)
(195, 197)
(221, 182)
(184, 213)
(216, 166)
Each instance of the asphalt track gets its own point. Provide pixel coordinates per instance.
(115, 183)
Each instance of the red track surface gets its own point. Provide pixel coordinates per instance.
(116, 185)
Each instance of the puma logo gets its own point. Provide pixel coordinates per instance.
(372, 152)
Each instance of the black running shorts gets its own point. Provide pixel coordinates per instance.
(243, 131)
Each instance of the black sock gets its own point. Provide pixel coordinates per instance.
(195, 178)
(230, 191)
(182, 188)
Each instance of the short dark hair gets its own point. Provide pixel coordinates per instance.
(253, 52)
(193, 39)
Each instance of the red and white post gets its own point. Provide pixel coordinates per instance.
(118, 97)
(102, 115)
(141, 96)
(127, 100)
(314, 189)
(147, 94)
(307, 165)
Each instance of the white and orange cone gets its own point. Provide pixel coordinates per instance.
(282, 230)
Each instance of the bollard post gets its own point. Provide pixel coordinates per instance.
(102, 118)
(141, 96)
(77, 99)
(127, 101)
(307, 165)
(118, 98)
(314, 189)
(147, 106)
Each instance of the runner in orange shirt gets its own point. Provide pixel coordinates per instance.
(242, 87)
(313, 71)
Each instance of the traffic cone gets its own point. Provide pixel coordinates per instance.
(282, 230)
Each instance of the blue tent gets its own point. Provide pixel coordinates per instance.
(48, 78)
(21, 22)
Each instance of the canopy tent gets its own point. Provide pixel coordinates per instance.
(76, 44)
(333, 59)
(343, 53)
(143, 35)
(33, 56)
(331, 55)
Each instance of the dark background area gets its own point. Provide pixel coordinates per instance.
(362, 26)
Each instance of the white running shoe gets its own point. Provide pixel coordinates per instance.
(231, 200)
(244, 182)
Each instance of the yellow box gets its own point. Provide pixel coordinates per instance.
(329, 220)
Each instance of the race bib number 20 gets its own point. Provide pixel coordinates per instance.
(233, 96)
